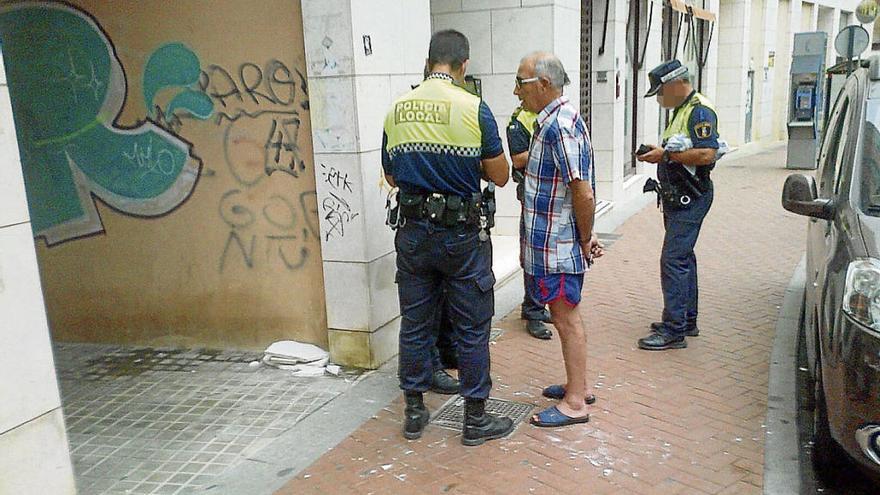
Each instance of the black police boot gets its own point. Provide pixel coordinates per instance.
(415, 415)
(692, 330)
(442, 383)
(479, 426)
(658, 341)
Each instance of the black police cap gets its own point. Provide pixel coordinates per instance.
(664, 73)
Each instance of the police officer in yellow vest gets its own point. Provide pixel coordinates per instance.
(519, 138)
(686, 191)
(439, 141)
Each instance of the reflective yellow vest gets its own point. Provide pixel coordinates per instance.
(437, 115)
(527, 119)
(679, 123)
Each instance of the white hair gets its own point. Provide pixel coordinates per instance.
(548, 65)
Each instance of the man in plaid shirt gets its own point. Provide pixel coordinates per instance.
(559, 244)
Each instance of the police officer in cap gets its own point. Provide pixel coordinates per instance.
(686, 191)
(439, 141)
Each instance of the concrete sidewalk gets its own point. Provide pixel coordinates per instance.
(687, 421)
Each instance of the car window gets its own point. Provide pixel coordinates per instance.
(842, 167)
(869, 173)
(831, 147)
(849, 135)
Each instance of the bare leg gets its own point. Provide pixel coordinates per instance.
(570, 326)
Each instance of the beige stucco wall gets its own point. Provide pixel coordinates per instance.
(229, 255)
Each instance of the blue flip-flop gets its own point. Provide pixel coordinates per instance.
(552, 417)
(558, 392)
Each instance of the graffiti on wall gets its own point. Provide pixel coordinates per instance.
(268, 98)
(67, 91)
(257, 109)
(176, 68)
(285, 244)
(336, 207)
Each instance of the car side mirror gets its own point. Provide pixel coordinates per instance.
(799, 196)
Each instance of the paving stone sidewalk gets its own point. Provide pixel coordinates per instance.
(687, 421)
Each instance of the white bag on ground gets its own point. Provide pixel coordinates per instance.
(289, 354)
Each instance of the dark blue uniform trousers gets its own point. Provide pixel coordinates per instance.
(531, 309)
(446, 340)
(678, 264)
(431, 258)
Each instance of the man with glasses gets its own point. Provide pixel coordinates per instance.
(558, 208)
(686, 191)
(439, 141)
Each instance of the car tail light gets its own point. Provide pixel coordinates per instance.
(861, 299)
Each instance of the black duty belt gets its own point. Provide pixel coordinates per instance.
(445, 209)
(677, 188)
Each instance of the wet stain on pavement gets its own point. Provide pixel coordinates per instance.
(137, 361)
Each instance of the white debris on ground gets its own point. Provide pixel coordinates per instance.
(304, 360)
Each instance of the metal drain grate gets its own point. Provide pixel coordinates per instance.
(451, 414)
(495, 333)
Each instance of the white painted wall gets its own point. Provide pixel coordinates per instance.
(767, 76)
(755, 49)
(808, 17)
(651, 125)
(734, 22)
(826, 21)
(34, 456)
(781, 66)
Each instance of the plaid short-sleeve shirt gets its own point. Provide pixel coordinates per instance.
(560, 153)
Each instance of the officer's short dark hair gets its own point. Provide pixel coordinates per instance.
(448, 47)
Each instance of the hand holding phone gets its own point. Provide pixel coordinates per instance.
(644, 148)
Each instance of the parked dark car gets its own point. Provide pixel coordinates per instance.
(842, 294)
